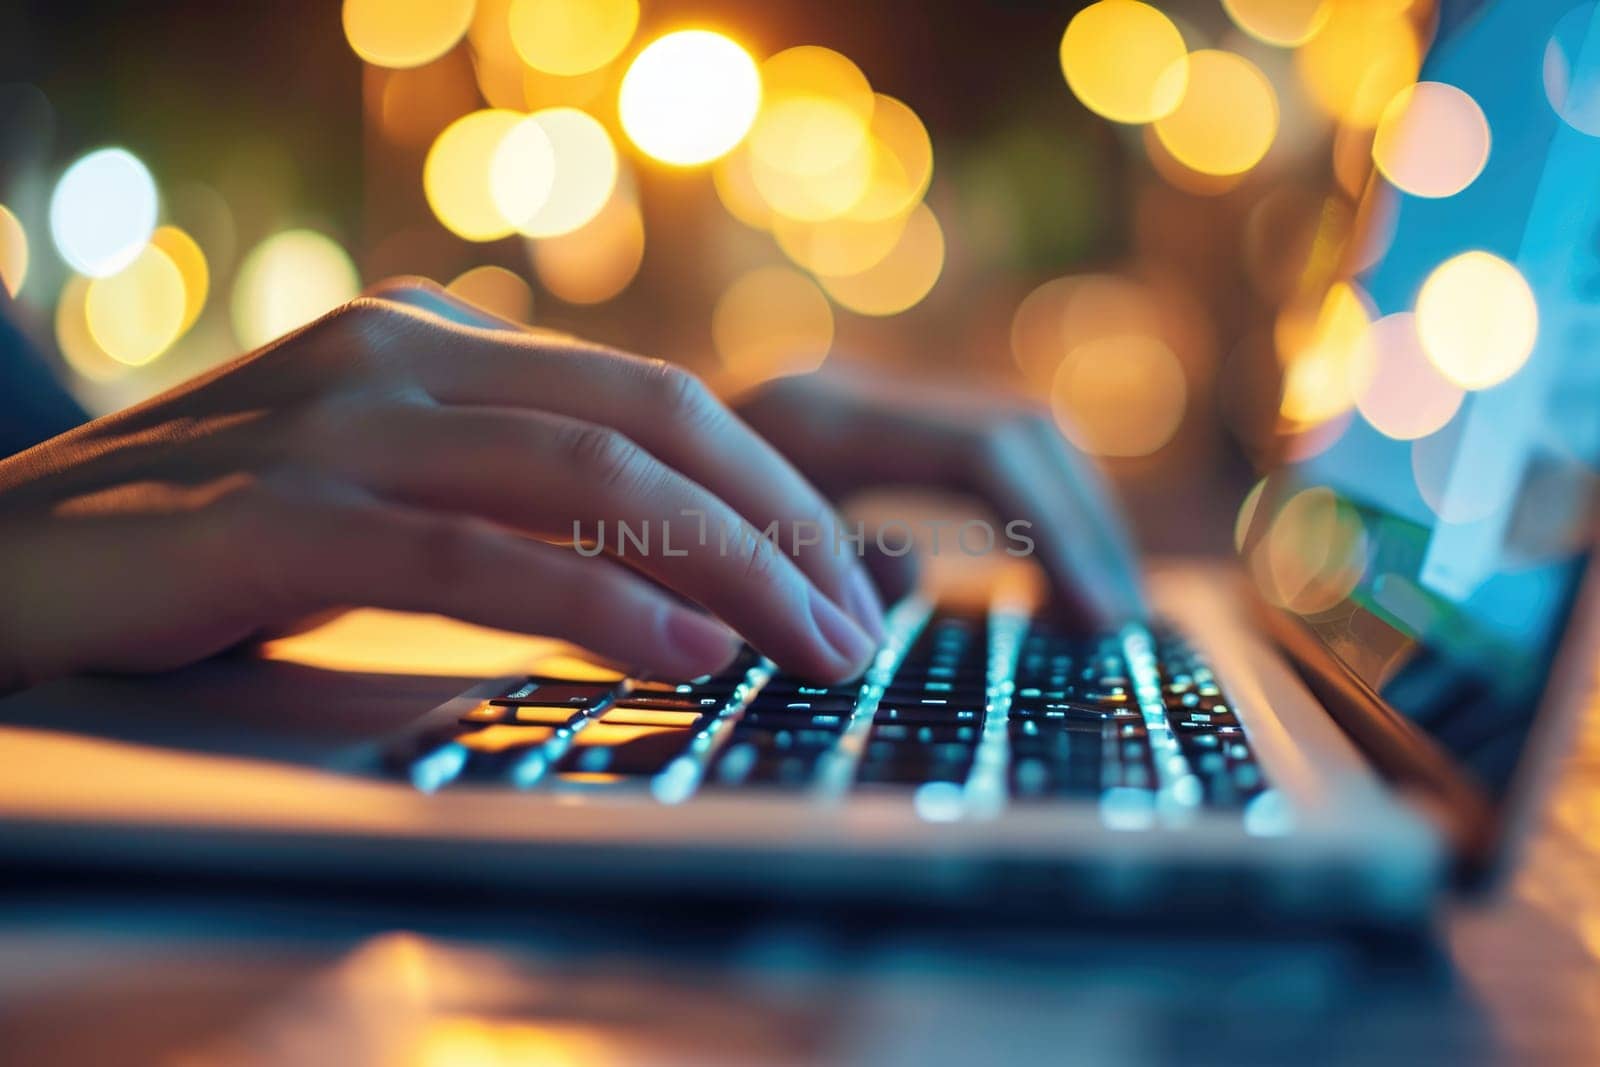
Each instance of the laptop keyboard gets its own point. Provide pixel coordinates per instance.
(962, 712)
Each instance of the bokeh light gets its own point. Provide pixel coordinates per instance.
(594, 263)
(1125, 61)
(405, 33)
(74, 341)
(902, 277)
(496, 290)
(1365, 54)
(1577, 104)
(816, 107)
(813, 197)
(586, 91)
(1435, 470)
(103, 211)
(1404, 396)
(570, 37)
(1227, 118)
(1063, 313)
(1120, 396)
(1280, 22)
(287, 281)
(191, 263)
(902, 161)
(135, 314)
(1245, 520)
(689, 97)
(1432, 140)
(522, 172)
(1315, 551)
(13, 252)
(1325, 354)
(736, 188)
(416, 104)
(499, 71)
(772, 321)
(1180, 175)
(1477, 318)
(842, 245)
(1038, 343)
(584, 177)
(457, 175)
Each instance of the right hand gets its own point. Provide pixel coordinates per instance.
(408, 451)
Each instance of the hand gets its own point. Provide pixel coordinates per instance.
(848, 431)
(408, 452)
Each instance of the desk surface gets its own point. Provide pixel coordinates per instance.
(176, 975)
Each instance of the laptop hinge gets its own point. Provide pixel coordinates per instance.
(1410, 760)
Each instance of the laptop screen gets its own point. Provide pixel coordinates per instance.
(1431, 525)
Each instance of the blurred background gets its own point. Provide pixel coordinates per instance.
(1136, 220)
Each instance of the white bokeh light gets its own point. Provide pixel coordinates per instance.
(103, 212)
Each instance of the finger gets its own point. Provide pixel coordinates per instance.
(566, 480)
(389, 556)
(424, 294)
(667, 411)
(1111, 541)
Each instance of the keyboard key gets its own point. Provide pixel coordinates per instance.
(572, 694)
(792, 720)
(1041, 710)
(696, 704)
(923, 734)
(875, 773)
(605, 748)
(629, 714)
(1035, 777)
(929, 713)
(804, 704)
(492, 739)
(544, 715)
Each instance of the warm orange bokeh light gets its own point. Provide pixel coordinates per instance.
(1120, 396)
(13, 252)
(496, 290)
(1125, 61)
(405, 33)
(1227, 118)
(594, 263)
(772, 321)
(901, 278)
(570, 37)
(1359, 60)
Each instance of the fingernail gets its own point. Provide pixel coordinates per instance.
(700, 645)
(862, 599)
(848, 641)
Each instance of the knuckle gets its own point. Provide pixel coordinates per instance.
(605, 455)
(401, 285)
(681, 394)
(762, 564)
(367, 330)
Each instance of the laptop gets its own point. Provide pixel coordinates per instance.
(1350, 760)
